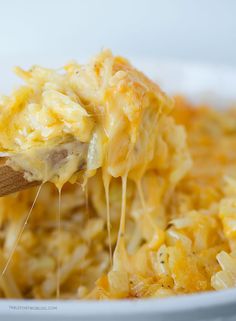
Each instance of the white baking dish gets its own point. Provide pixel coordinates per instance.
(201, 83)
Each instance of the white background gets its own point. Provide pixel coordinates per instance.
(199, 30)
(198, 33)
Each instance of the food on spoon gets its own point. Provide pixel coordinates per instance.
(109, 128)
(107, 106)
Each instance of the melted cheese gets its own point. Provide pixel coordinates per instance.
(106, 126)
(107, 105)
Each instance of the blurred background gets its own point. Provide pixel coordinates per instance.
(202, 30)
(51, 32)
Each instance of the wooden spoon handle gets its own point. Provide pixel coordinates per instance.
(12, 181)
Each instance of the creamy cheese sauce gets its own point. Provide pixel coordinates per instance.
(107, 138)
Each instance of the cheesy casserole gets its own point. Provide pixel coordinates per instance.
(146, 185)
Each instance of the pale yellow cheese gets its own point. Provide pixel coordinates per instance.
(168, 204)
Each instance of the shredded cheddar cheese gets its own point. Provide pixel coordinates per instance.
(148, 187)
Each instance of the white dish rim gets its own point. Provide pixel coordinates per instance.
(210, 301)
(160, 306)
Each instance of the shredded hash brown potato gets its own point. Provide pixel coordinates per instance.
(154, 184)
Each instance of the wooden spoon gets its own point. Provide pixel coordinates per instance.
(12, 181)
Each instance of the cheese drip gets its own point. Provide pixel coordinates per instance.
(104, 121)
(106, 183)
